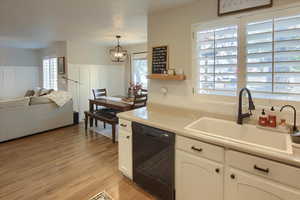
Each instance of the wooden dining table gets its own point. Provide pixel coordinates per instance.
(110, 102)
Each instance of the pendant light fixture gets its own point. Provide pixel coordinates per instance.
(117, 54)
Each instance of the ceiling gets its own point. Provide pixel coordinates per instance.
(36, 23)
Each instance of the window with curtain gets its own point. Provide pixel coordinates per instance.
(262, 55)
(50, 73)
(140, 69)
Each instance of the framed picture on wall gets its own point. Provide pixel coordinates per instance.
(233, 6)
(61, 65)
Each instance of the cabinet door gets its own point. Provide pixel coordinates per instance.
(241, 185)
(125, 153)
(198, 178)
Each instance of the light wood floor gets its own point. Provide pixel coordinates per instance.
(63, 165)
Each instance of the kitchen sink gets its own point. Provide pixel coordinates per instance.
(249, 134)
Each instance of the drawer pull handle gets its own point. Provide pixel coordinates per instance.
(128, 137)
(196, 149)
(123, 125)
(261, 169)
(218, 170)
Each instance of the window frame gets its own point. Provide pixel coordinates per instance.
(57, 78)
(241, 21)
(143, 56)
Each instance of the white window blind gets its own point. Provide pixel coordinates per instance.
(273, 58)
(50, 73)
(216, 58)
(140, 69)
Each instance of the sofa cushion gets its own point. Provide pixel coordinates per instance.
(39, 100)
(16, 102)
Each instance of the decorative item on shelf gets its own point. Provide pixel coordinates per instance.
(160, 59)
(171, 71)
(233, 6)
(118, 54)
(61, 65)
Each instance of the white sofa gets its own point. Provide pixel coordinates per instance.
(22, 120)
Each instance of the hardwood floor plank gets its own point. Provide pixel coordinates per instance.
(63, 164)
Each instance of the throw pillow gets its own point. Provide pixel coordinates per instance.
(29, 93)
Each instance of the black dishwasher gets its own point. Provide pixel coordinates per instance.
(153, 160)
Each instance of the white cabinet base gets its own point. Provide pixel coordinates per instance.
(198, 178)
(243, 186)
(125, 153)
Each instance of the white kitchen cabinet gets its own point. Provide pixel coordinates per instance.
(240, 185)
(125, 152)
(198, 178)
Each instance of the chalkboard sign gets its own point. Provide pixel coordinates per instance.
(159, 59)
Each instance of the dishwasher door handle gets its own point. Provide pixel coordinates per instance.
(151, 135)
(164, 135)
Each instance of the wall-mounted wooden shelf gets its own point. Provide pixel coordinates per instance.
(167, 77)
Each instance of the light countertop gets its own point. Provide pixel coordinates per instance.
(176, 119)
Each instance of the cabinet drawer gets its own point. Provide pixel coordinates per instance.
(200, 149)
(279, 172)
(125, 125)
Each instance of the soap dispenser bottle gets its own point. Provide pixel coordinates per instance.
(263, 119)
(272, 118)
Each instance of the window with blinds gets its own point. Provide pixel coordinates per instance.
(216, 58)
(50, 73)
(273, 58)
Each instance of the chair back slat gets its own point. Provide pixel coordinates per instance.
(144, 91)
(99, 93)
(140, 101)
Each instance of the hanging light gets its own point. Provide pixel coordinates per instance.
(117, 54)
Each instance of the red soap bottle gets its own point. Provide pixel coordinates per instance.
(263, 119)
(272, 118)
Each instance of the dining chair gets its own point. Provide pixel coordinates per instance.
(143, 91)
(140, 101)
(98, 93)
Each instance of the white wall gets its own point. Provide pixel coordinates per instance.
(19, 71)
(173, 28)
(83, 52)
(18, 57)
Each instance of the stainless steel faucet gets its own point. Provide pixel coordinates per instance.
(251, 107)
(295, 129)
